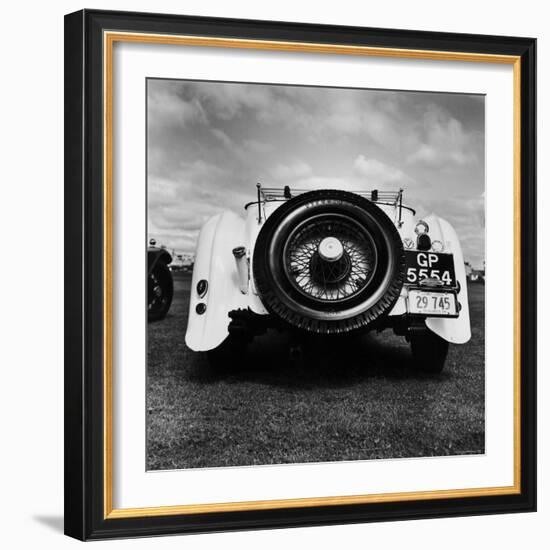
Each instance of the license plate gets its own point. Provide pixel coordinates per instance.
(432, 303)
(422, 265)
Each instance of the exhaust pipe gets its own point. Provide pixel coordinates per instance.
(242, 268)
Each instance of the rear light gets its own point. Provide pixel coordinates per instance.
(437, 246)
(202, 288)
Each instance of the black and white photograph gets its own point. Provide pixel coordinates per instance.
(316, 274)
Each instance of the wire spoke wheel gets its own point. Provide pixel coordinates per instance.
(321, 276)
(328, 262)
(157, 295)
(160, 292)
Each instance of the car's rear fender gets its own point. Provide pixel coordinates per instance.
(456, 331)
(215, 264)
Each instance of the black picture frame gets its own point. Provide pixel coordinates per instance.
(84, 281)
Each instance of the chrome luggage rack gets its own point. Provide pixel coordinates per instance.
(267, 194)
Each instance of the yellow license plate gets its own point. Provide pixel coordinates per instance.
(432, 303)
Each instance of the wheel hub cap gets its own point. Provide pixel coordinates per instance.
(330, 249)
(330, 258)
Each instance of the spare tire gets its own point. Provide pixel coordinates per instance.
(328, 262)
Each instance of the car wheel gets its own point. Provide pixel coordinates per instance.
(429, 351)
(328, 262)
(160, 292)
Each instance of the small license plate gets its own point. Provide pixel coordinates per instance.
(434, 265)
(432, 303)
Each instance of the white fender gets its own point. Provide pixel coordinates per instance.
(214, 262)
(455, 331)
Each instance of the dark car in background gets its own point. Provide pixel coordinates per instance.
(160, 285)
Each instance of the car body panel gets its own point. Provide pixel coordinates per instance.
(455, 331)
(215, 263)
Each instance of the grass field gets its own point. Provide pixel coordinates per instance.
(357, 404)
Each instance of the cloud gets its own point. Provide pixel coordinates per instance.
(290, 172)
(229, 101)
(444, 141)
(167, 108)
(257, 147)
(209, 143)
(378, 173)
(223, 137)
(477, 207)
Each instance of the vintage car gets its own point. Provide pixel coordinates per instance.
(329, 263)
(160, 286)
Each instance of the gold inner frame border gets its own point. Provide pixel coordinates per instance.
(109, 39)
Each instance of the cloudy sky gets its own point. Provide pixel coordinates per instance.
(209, 143)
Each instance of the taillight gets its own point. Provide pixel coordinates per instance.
(202, 288)
(437, 246)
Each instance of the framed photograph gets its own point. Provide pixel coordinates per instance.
(300, 274)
